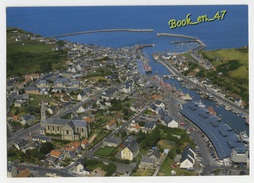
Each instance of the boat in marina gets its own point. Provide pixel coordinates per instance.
(186, 97)
(244, 137)
(200, 104)
(166, 76)
(247, 120)
(211, 111)
(227, 108)
(204, 95)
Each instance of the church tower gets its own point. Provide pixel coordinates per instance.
(43, 114)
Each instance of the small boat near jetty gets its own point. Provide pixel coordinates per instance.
(244, 137)
(211, 111)
(200, 104)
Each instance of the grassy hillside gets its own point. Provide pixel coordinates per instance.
(224, 58)
(232, 71)
(26, 54)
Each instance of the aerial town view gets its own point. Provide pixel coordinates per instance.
(126, 91)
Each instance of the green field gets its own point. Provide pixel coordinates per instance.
(143, 172)
(166, 169)
(104, 151)
(221, 59)
(31, 56)
(232, 71)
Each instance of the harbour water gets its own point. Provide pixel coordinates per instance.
(232, 32)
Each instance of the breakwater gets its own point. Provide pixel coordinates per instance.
(103, 30)
(192, 39)
(141, 46)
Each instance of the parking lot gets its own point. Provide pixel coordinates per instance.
(205, 152)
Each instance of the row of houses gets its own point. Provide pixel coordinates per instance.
(135, 127)
(159, 109)
(25, 120)
(70, 151)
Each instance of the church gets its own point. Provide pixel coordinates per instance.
(68, 129)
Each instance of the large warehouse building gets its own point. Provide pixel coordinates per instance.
(220, 134)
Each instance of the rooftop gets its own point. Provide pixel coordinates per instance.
(219, 133)
(55, 153)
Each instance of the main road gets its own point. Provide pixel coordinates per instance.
(60, 172)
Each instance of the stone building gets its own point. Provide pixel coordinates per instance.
(68, 129)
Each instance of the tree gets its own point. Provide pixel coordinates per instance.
(141, 136)
(125, 112)
(151, 139)
(111, 168)
(171, 154)
(60, 43)
(141, 123)
(154, 136)
(46, 66)
(126, 99)
(46, 148)
(123, 134)
(178, 151)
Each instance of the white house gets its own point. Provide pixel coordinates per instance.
(81, 109)
(127, 88)
(82, 96)
(79, 168)
(173, 124)
(188, 158)
(160, 104)
(239, 102)
(28, 119)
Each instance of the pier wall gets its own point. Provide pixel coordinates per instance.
(103, 30)
(192, 39)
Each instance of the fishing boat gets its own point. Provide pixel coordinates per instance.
(204, 96)
(186, 97)
(244, 137)
(200, 104)
(166, 76)
(247, 120)
(227, 108)
(211, 111)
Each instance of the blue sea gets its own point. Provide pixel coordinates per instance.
(49, 21)
(231, 32)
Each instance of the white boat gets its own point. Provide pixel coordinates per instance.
(244, 137)
(186, 97)
(166, 76)
(200, 104)
(227, 108)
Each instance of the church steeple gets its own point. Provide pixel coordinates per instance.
(43, 113)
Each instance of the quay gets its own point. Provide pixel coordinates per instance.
(192, 39)
(200, 87)
(176, 35)
(141, 46)
(186, 41)
(103, 30)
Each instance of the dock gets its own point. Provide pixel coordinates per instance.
(192, 39)
(141, 46)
